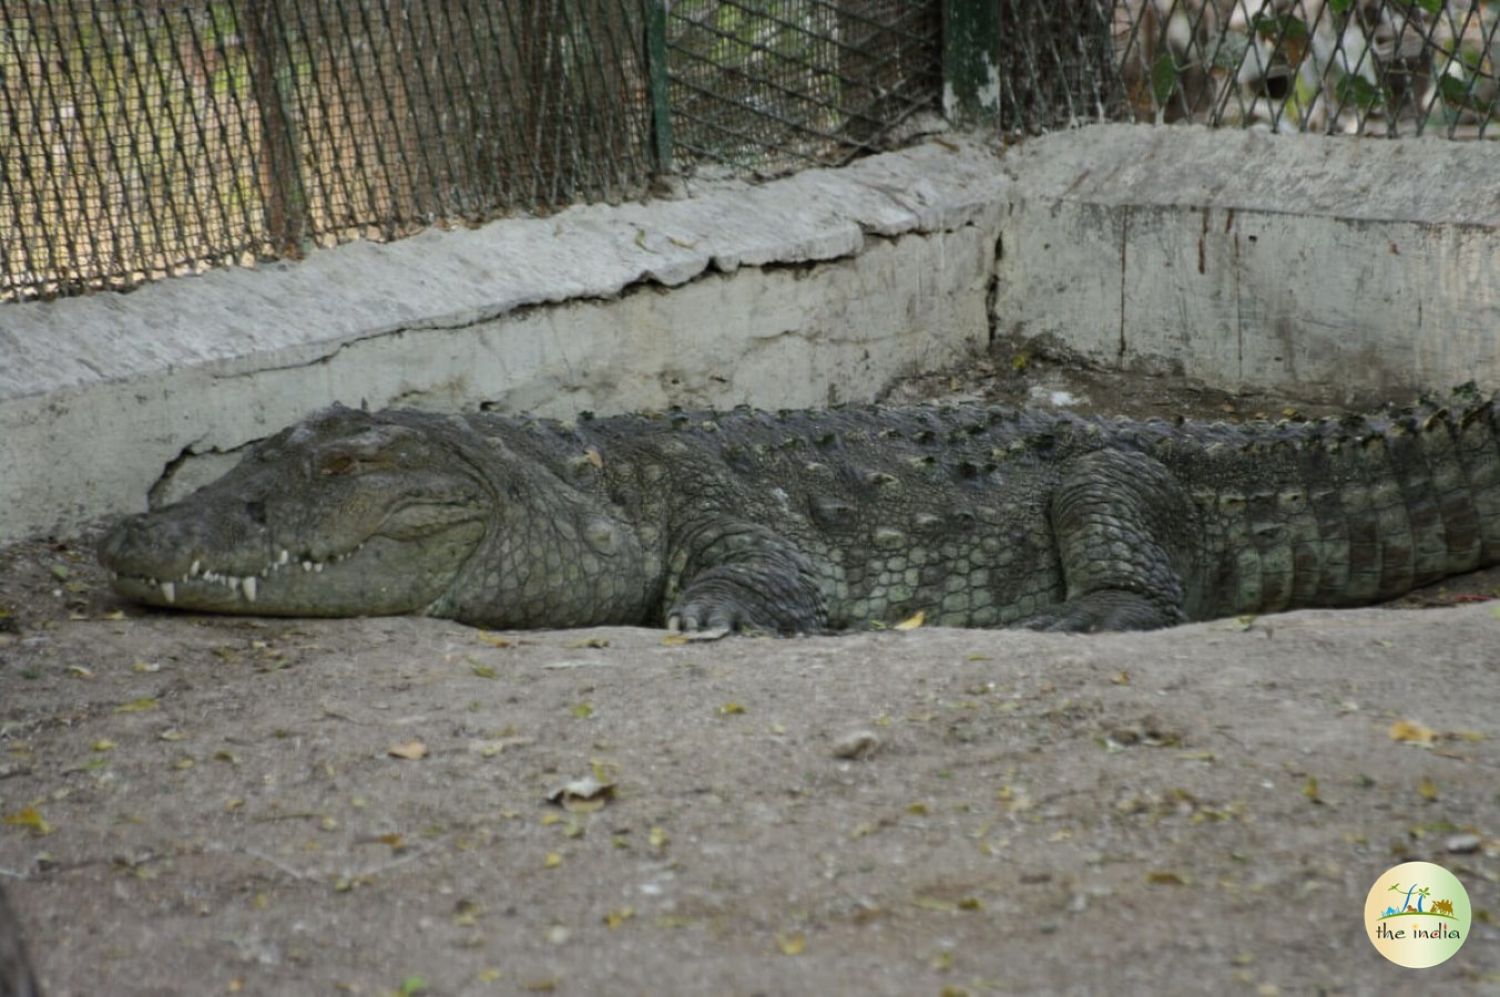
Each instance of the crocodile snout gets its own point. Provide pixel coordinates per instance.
(166, 543)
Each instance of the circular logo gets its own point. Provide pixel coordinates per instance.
(1417, 915)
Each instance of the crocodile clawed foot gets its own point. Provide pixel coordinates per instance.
(710, 619)
(692, 629)
(1105, 609)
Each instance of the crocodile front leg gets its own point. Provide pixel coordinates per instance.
(737, 576)
(1121, 523)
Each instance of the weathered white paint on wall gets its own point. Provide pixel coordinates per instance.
(1328, 267)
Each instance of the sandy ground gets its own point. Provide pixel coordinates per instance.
(200, 805)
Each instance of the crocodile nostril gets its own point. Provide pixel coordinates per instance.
(257, 512)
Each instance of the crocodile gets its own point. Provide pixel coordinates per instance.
(822, 520)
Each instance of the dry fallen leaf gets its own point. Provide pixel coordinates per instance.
(935, 903)
(30, 818)
(583, 642)
(1427, 789)
(615, 918)
(495, 640)
(1412, 732)
(493, 746)
(553, 860)
(594, 456)
(411, 750)
(731, 710)
(912, 622)
(791, 944)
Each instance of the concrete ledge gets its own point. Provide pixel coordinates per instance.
(1324, 267)
(108, 397)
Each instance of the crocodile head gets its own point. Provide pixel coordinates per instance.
(345, 514)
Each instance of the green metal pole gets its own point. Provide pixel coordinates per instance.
(661, 101)
(971, 61)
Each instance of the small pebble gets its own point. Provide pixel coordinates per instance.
(1463, 844)
(856, 744)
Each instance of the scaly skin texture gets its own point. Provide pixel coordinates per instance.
(799, 522)
(16, 979)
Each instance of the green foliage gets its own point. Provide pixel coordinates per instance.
(1358, 91)
(1164, 77)
(1283, 26)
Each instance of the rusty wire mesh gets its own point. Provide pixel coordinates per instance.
(141, 138)
(769, 86)
(149, 138)
(1057, 64)
(1358, 67)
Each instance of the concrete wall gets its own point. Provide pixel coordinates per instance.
(1323, 267)
(1316, 266)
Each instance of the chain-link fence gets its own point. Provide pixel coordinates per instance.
(771, 86)
(1360, 67)
(158, 137)
(148, 138)
(140, 138)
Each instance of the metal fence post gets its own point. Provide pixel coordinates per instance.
(971, 61)
(281, 190)
(656, 67)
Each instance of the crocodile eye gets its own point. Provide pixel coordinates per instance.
(339, 464)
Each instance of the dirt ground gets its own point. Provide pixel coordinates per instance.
(202, 805)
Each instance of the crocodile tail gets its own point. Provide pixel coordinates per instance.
(1418, 492)
(1353, 510)
(1476, 433)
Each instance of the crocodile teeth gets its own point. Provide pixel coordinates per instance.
(249, 585)
(197, 567)
(306, 565)
(318, 566)
(169, 592)
(286, 556)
